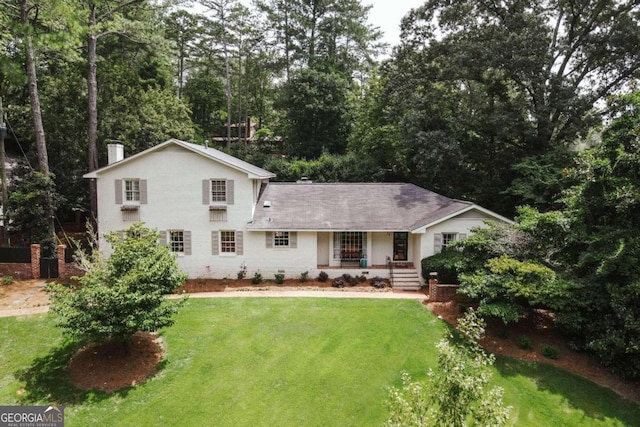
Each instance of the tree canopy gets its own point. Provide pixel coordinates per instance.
(491, 93)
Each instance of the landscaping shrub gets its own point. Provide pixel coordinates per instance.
(242, 273)
(323, 277)
(257, 278)
(7, 280)
(362, 278)
(550, 351)
(279, 278)
(378, 282)
(524, 342)
(447, 264)
(349, 279)
(304, 277)
(338, 282)
(345, 279)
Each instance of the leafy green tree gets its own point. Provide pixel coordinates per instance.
(603, 243)
(204, 94)
(37, 27)
(457, 393)
(482, 86)
(123, 294)
(146, 118)
(349, 167)
(373, 134)
(509, 288)
(30, 195)
(182, 29)
(331, 35)
(316, 113)
(224, 11)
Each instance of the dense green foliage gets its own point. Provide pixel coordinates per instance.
(316, 109)
(479, 85)
(603, 246)
(27, 214)
(580, 261)
(446, 264)
(122, 294)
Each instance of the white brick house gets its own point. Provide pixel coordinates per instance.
(217, 213)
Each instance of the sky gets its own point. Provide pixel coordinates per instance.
(387, 15)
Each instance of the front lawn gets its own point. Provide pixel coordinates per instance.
(284, 361)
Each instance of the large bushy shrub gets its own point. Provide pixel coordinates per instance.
(447, 264)
(123, 294)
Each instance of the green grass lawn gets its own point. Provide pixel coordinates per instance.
(282, 361)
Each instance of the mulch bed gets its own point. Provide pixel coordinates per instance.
(542, 331)
(219, 285)
(110, 366)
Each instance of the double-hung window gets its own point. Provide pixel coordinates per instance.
(132, 190)
(176, 241)
(447, 239)
(218, 194)
(131, 193)
(227, 241)
(281, 239)
(218, 190)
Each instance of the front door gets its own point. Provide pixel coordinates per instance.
(400, 246)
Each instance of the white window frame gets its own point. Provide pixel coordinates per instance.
(176, 241)
(281, 239)
(227, 242)
(131, 189)
(218, 190)
(448, 238)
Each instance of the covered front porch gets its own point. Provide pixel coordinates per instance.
(369, 253)
(366, 249)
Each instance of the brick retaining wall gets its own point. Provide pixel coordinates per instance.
(25, 271)
(441, 292)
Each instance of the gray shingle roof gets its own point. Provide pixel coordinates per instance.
(217, 155)
(346, 206)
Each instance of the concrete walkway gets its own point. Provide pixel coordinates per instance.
(256, 294)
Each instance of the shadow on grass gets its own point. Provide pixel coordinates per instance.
(594, 401)
(47, 381)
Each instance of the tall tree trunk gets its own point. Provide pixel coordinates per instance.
(3, 177)
(92, 108)
(36, 113)
(227, 71)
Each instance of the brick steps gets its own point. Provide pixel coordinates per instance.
(406, 279)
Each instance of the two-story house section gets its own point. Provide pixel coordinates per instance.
(218, 213)
(199, 198)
